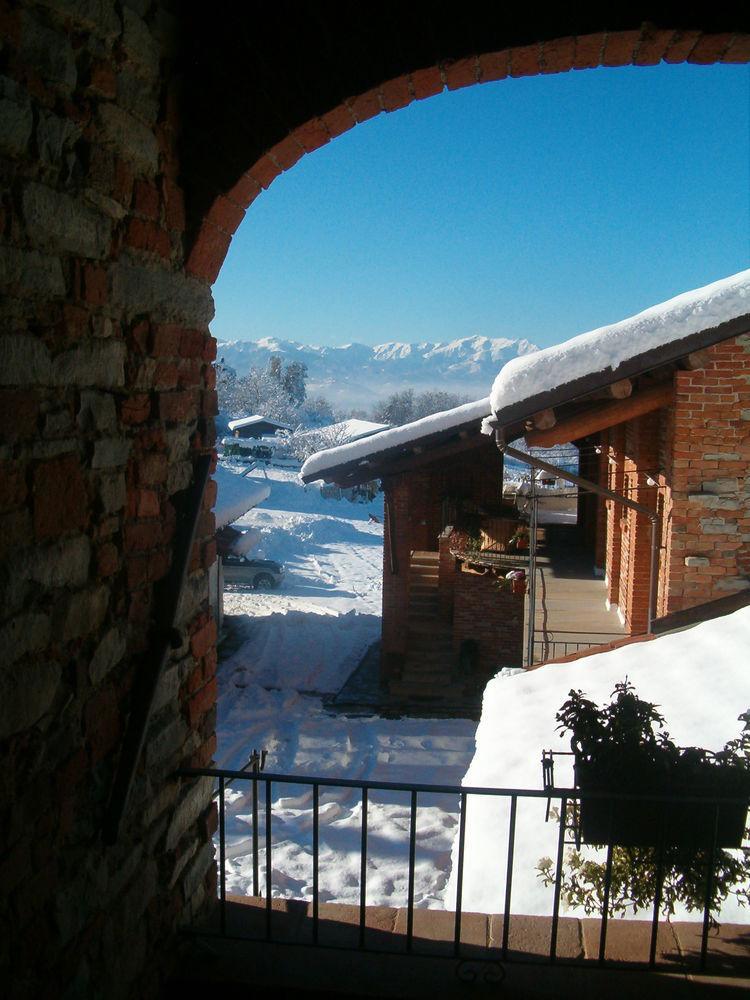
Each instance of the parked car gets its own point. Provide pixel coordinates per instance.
(262, 574)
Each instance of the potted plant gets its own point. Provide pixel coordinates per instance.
(660, 850)
(623, 747)
(520, 538)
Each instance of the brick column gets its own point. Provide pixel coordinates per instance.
(395, 585)
(615, 513)
(641, 461)
(709, 545)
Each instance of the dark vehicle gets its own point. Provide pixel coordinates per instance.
(262, 574)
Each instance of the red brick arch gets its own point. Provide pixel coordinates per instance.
(646, 46)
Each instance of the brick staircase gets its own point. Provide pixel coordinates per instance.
(428, 673)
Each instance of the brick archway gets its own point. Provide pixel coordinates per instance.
(644, 46)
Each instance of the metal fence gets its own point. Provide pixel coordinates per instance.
(569, 802)
(552, 645)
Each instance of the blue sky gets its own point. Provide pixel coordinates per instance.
(536, 208)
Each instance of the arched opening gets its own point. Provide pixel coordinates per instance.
(133, 137)
(220, 221)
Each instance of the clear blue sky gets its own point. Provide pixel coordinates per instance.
(537, 208)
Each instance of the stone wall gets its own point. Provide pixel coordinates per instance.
(106, 397)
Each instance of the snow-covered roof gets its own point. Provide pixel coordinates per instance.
(346, 430)
(355, 429)
(518, 721)
(610, 348)
(395, 437)
(236, 495)
(256, 418)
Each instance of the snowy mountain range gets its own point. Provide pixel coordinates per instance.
(355, 375)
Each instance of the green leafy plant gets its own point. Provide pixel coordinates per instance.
(624, 747)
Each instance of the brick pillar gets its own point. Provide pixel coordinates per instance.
(615, 512)
(641, 462)
(600, 549)
(447, 568)
(397, 534)
(709, 544)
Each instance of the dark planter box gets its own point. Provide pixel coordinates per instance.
(637, 822)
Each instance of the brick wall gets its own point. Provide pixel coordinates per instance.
(709, 538)
(698, 454)
(414, 506)
(395, 585)
(489, 616)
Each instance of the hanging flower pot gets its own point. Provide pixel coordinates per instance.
(617, 750)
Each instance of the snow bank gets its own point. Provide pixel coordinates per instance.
(236, 495)
(405, 434)
(700, 678)
(310, 650)
(607, 347)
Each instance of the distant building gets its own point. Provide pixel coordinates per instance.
(235, 496)
(256, 426)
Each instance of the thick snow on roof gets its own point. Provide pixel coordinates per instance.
(256, 418)
(609, 346)
(346, 430)
(236, 495)
(700, 705)
(394, 437)
(355, 429)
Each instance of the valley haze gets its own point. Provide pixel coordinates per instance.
(356, 375)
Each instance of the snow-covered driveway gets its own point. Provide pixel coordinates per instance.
(293, 645)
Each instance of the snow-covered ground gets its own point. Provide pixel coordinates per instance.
(293, 645)
(700, 678)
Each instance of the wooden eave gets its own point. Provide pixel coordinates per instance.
(649, 367)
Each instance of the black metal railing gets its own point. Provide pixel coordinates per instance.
(553, 645)
(569, 799)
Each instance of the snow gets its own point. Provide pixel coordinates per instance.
(407, 433)
(609, 346)
(346, 430)
(699, 678)
(354, 428)
(349, 374)
(294, 645)
(256, 418)
(236, 495)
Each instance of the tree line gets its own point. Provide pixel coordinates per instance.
(279, 392)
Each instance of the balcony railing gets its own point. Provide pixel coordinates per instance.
(559, 643)
(568, 804)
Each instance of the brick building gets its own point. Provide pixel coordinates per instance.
(133, 137)
(666, 424)
(450, 618)
(666, 427)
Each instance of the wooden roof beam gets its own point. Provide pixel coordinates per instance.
(542, 420)
(600, 417)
